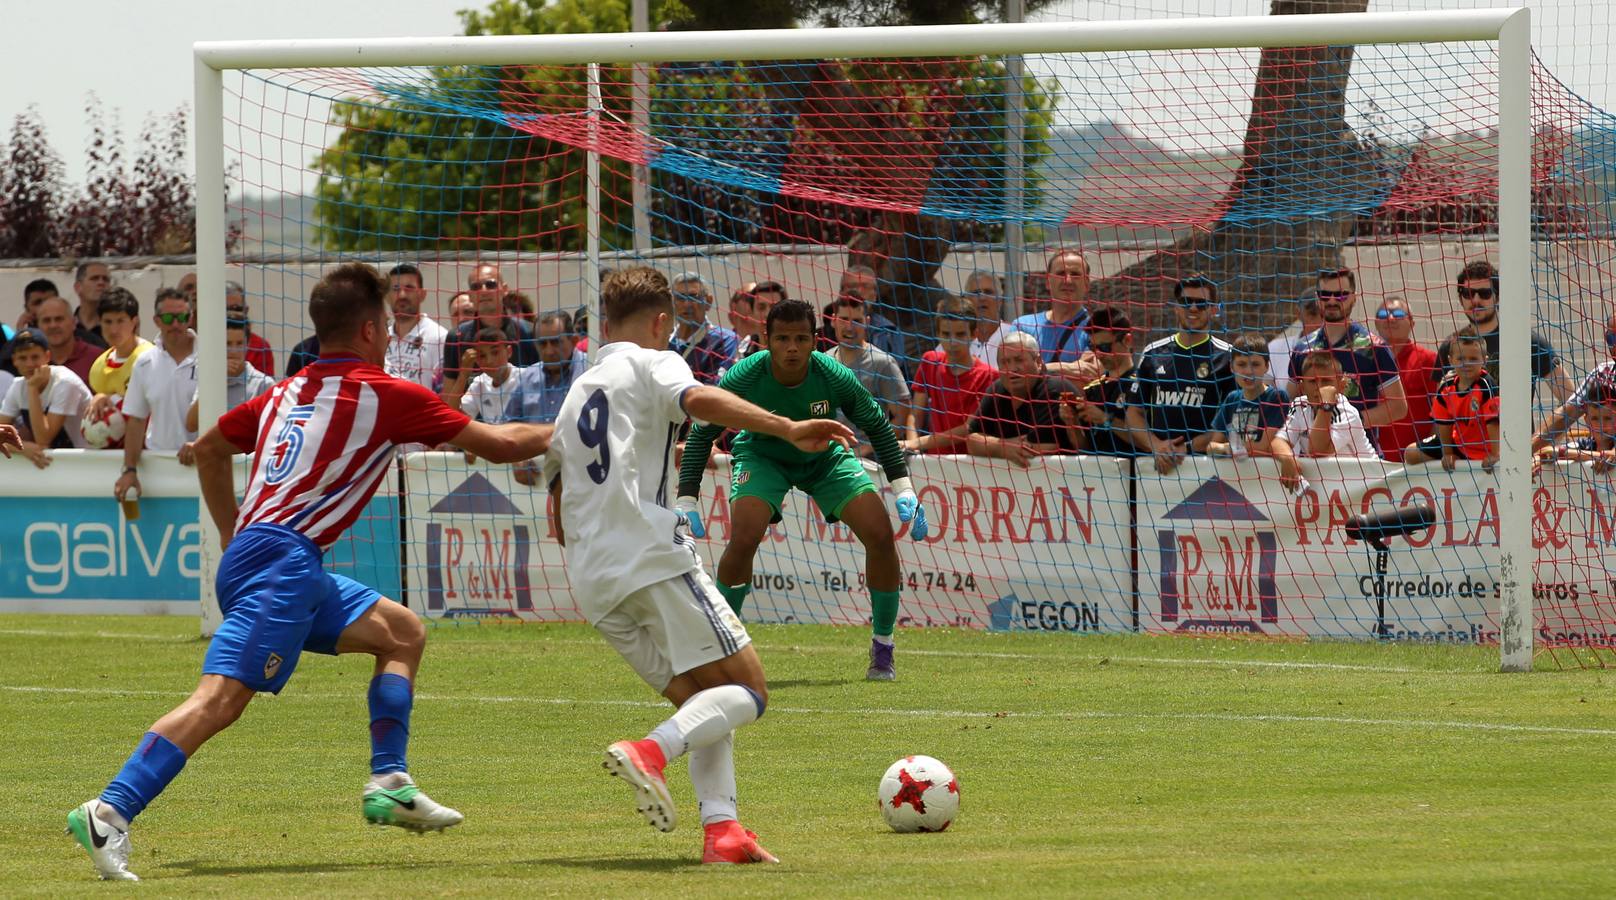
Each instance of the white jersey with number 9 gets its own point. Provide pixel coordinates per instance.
(613, 449)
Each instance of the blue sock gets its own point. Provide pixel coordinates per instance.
(390, 699)
(150, 768)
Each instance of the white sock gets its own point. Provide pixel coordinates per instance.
(705, 718)
(712, 774)
(883, 639)
(107, 814)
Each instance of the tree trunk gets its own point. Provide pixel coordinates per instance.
(1291, 207)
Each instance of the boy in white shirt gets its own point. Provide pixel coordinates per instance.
(1322, 422)
(50, 399)
(493, 385)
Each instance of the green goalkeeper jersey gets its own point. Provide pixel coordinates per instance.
(828, 388)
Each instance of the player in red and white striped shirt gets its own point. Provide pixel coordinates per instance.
(322, 441)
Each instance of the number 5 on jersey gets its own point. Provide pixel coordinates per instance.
(288, 444)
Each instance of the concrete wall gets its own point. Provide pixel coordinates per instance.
(1575, 273)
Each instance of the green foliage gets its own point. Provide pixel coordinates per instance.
(417, 172)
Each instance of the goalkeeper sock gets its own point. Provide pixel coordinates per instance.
(735, 596)
(148, 771)
(883, 613)
(712, 774)
(706, 718)
(390, 700)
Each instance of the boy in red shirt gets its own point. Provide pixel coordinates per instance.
(949, 384)
(1465, 407)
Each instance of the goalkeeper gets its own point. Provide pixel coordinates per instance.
(790, 379)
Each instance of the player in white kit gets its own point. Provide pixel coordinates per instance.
(634, 569)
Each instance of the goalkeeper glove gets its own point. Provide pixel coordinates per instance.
(686, 508)
(909, 509)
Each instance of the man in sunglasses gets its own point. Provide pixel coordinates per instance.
(487, 290)
(1415, 368)
(1372, 384)
(1478, 296)
(1577, 404)
(1181, 380)
(161, 388)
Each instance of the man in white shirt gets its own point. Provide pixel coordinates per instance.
(1279, 349)
(634, 569)
(160, 390)
(415, 341)
(49, 400)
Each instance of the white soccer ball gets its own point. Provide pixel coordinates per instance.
(919, 793)
(105, 431)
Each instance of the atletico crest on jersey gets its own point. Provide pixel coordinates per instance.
(819, 408)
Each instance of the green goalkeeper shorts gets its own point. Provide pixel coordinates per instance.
(833, 480)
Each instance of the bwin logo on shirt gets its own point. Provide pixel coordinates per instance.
(819, 408)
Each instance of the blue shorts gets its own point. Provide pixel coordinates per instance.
(277, 602)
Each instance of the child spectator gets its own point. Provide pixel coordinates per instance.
(1322, 422)
(949, 383)
(1253, 413)
(1465, 407)
(47, 400)
(490, 391)
(1597, 407)
(109, 374)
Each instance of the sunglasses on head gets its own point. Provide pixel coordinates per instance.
(1334, 295)
(171, 318)
(1483, 293)
(489, 285)
(1385, 314)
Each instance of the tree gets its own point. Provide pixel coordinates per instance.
(30, 190)
(146, 209)
(1269, 246)
(861, 120)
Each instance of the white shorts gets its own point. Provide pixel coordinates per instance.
(673, 626)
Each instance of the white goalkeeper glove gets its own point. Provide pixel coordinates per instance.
(687, 509)
(909, 509)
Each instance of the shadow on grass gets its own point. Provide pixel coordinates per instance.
(208, 868)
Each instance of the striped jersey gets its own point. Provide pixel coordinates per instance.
(323, 440)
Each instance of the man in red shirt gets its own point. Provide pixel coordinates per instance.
(1416, 364)
(949, 384)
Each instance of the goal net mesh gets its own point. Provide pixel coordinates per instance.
(1246, 171)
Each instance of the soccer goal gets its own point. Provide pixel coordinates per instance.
(1140, 191)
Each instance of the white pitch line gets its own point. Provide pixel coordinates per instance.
(955, 654)
(913, 713)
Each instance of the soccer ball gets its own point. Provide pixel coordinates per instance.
(919, 793)
(105, 432)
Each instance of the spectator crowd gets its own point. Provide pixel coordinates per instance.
(1066, 377)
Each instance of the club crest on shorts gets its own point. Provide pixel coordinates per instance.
(272, 665)
(743, 476)
(819, 408)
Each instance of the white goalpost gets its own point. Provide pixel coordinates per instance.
(1508, 29)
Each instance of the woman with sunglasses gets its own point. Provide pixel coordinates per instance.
(1415, 365)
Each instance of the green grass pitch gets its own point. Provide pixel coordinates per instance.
(1093, 765)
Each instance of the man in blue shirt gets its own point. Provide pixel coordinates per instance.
(541, 387)
(1060, 330)
(708, 349)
